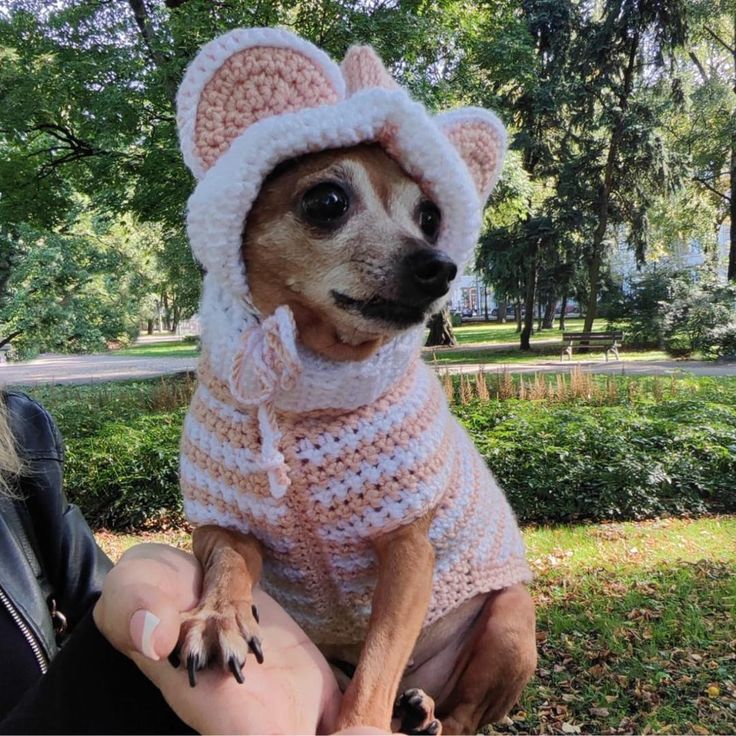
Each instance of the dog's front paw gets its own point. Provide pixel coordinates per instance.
(218, 636)
(415, 709)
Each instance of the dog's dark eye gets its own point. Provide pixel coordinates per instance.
(325, 204)
(429, 219)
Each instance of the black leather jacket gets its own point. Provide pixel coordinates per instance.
(48, 557)
(51, 569)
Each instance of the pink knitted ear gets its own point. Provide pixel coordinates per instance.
(243, 77)
(480, 139)
(362, 69)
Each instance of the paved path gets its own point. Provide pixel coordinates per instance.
(615, 367)
(89, 369)
(109, 367)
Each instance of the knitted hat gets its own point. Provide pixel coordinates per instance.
(255, 97)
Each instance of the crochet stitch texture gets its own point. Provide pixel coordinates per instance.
(315, 457)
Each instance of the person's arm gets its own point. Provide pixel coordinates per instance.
(67, 550)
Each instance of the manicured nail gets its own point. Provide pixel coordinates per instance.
(142, 625)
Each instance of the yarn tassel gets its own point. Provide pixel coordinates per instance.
(267, 360)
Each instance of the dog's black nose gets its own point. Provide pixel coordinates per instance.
(427, 273)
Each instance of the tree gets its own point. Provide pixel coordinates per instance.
(526, 62)
(614, 145)
(711, 51)
(75, 292)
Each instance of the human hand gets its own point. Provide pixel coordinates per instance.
(139, 612)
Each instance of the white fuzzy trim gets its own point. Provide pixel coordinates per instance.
(220, 203)
(214, 54)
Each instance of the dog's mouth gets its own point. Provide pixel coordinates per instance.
(395, 313)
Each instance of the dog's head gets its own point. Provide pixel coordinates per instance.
(328, 189)
(347, 240)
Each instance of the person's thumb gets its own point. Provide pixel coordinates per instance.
(142, 598)
(140, 619)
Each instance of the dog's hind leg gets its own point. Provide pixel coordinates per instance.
(223, 628)
(497, 660)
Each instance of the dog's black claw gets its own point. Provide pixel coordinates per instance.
(254, 610)
(192, 667)
(254, 644)
(175, 659)
(236, 669)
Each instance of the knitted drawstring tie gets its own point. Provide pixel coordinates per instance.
(266, 362)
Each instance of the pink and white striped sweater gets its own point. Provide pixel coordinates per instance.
(349, 475)
(314, 457)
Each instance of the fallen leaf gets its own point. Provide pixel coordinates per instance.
(599, 712)
(570, 728)
(713, 691)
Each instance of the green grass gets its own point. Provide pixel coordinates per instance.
(493, 332)
(635, 626)
(543, 355)
(178, 349)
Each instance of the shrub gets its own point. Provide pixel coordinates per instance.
(682, 311)
(628, 461)
(125, 475)
(569, 449)
(721, 340)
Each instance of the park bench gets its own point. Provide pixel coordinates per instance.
(611, 341)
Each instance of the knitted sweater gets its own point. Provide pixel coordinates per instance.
(352, 475)
(315, 457)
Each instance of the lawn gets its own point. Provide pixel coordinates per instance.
(172, 349)
(493, 332)
(635, 626)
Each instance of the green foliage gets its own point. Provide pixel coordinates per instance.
(126, 475)
(73, 291)
(697, 313)
(630, 460)
(642, 455)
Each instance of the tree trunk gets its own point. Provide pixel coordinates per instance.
(503, 306)
(440, 330)
(531, 288)
(606, 189)
(149, 328)
(594, 272)
(5, 340)
(167, 313)
(485, 302)
(540, 315)
(563, 312)
(518, 315)
(549, 314)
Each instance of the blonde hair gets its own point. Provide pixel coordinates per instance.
(10, 462)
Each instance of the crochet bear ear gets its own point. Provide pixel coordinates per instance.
(245, 76)
(480, 139)
(362, 68)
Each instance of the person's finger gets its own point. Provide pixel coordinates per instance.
(143, 597)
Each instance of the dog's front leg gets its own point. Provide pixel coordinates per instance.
(224, 626)
(400, 602)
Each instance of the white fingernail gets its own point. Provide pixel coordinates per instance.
(143, 624)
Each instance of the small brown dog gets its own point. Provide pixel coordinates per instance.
(346, 241)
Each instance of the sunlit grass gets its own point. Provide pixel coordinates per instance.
(178, 349)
